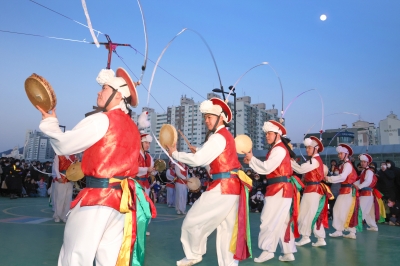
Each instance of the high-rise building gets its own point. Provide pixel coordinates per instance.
(389, 130)
(37, 147)
(366, 133)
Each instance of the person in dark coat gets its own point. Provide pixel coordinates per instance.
(14, 180)
(385, 182)
(6, 172)
(391, 166)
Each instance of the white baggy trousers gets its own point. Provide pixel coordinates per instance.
(341, 211)
(92, 233)
(308, 209)
(62, 197)
(368, 210)
(180, 197)
(275, 217)
(211, 211)
(171, 196)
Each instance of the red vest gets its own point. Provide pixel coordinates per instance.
(315, 175)
(115, 154)
(144, 163)
(170, 183)
(351, 178)
(64, 163)
(184, 173)
(372, 185)
(226, 162)
(228, 159)
(284, 169)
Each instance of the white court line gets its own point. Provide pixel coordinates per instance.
(39, 221)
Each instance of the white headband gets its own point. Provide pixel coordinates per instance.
(207, 107)
(268, 126)
(310, 142)
(342, 149)
(147, 138)
(364, 158)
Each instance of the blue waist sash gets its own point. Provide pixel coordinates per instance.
(366, 189)
(94, 182)
(346, 185)
(223, 174)
(276, 180)
(312, 183)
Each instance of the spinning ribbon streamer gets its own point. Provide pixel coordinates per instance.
(165, 49)
(261, 64)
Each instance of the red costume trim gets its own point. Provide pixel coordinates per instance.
(350, 179)
(284, 169)
(315, 175)
(364, 193)
(116, 154)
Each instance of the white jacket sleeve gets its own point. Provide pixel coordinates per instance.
(274, 160)
(169, 176)
(214, 146)
(179, 174)
(369, 175)
(86, 133)
(56, 167)
(341, 177)
(305, 167)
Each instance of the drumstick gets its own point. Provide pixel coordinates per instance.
(184, 137)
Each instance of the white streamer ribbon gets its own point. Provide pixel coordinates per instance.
(90, 24)
(162, 148)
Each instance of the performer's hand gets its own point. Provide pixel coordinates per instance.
(171, 149)
(45, 114)
(192, 148)
(150, 169)
(248, 156)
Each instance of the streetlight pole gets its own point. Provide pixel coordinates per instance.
(234, 105)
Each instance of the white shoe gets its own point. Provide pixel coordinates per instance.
(169, 206)
(188, 262)
(178, 212)
(287, 257)
(147, 233)
(336, 234)
(372, 229)
(351, 236)
(265, 255)
(304, 240)
(64, 220)
(320, 242)
(57, 220)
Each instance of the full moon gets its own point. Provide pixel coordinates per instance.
(322, 17)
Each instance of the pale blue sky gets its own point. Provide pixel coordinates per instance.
(352, 58)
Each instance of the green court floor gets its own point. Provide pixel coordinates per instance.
(28, 236)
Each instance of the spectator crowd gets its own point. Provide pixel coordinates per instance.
(20, 178)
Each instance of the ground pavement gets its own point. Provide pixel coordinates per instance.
(29, 236)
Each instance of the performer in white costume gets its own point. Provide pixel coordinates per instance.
(146, 163)
(347, 176)
(111, 143)
(170, 174)
(366, 184)
(217, 208)
(313, 170)
(181, 190)
(62, 188)
(275, 216)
